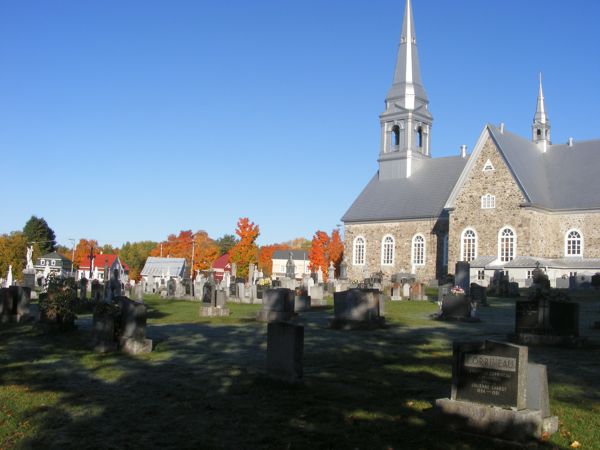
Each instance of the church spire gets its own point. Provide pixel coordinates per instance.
(406, 121)
(407, 82)
(541, 123)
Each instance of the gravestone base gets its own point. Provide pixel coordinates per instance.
(302, 303)
(213, 311)
(509, 424)
(105, 346)
(273, 316)
(346, 324)
(447, 318)
(133, 346)
(546, 339)
(322, 302)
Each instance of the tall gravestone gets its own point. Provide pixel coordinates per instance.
(495, 391)
(285, 348)
(462, 276)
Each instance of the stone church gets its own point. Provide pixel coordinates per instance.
(512, 203)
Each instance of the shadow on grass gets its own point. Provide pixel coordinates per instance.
(204, 387)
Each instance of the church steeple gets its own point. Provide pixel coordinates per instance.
(540, 130)
(406, 121)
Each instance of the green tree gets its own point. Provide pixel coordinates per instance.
(37, 230)
(108, 249)
(134, 254)
(226, 243)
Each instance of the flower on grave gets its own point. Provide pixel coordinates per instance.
(457, 290)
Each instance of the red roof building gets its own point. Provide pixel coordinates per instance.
(221, 265)
(100, 261)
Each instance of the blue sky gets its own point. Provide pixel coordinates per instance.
(129, 120)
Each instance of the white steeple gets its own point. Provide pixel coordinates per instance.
(406, 121)
(540, 130)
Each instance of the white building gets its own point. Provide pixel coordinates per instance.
(280, 259)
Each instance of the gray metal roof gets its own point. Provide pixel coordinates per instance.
(297, 255)
(563, 178)
(482, 261)
(521, 262)
(157, 267)
(423, 195)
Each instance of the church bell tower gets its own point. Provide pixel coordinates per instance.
(540, 129)
(406, 121)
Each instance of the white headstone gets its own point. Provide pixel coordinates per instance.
(319, 275)
(406, 290)
(9, 277)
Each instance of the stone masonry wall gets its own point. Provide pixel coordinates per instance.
(403, 232)
(487, 223)
(538, 233)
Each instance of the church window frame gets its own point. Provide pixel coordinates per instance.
(359, 251)
(420, 136)
(468, 244)
(388, 249)
(573, 243)
(488, 166)
(418, 250)
(488, 201)
(507, 244)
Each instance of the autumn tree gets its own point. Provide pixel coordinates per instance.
(176, 246)
(226, 243)
(317, 254)
(134, 255)
(299, 243)
(206, 251)
(245, 252)
(265, 257)
(335, 250)
(37, 230)
(13, 252)
(82, 252)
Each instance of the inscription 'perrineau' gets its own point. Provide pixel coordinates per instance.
(490, 362)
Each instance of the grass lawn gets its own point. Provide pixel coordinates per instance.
(203, 386)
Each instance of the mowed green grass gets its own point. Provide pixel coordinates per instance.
(204, 386)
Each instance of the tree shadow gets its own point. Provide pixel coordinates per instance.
(205, 386)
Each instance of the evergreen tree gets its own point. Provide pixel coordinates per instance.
(226, 243)
(37, 230)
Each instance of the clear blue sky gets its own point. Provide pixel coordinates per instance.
(129, 120)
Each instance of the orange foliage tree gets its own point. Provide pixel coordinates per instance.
(82, 252)
(335, 250)
(206, 251)
(317, 254)
(324, 250)
(265, 257)
(245, 252)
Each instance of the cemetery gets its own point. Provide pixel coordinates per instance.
(363, 370)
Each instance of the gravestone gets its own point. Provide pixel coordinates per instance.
(29, 278)
(97, 291)
(317, 296)
(133, 327)
(138, 292)
(455, 307)
(462, 276)
(241, 291)
(406, 291)
(496, 392)
(213, 304)
(171, 285)
(478, 294)
(443, 290)
(285, 348)
(14, 304)
(417, 291)
(513, 289)
(278, 305)
(357, 308)
(302, 301)
(546, 321)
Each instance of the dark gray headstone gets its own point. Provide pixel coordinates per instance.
(285, 347)
(171, 286)
(478, 294)
(537, 389)
(462, 276)
(456, 307)
(490, 373)
(362, 305)
(279, 300)
(133, 319)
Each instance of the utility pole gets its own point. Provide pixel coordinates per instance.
(72, 257)
(161, 249)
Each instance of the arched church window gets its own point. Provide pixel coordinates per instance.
(395, 135)
(468, 244)
(420, 137)
(387, 251)
(418, 250)
(507, 244)
(573, 243)
(359, 251)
